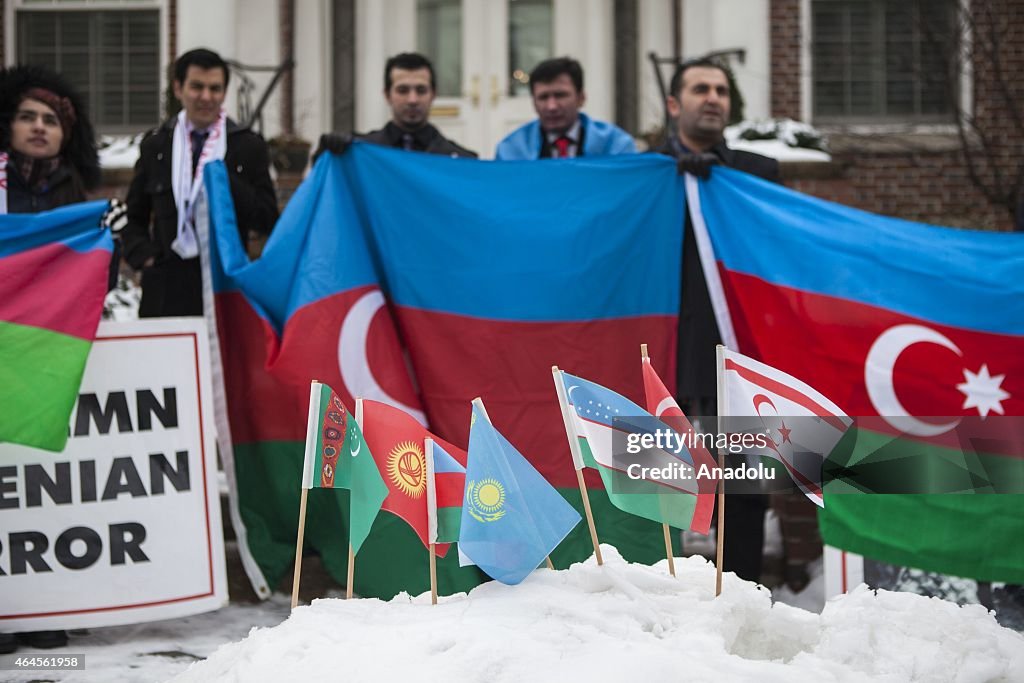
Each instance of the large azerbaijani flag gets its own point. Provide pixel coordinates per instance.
(492, 273)
(898, 323)
(53, 278)
(309, 308)
(497, 271)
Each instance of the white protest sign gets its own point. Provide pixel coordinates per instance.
(123, 526)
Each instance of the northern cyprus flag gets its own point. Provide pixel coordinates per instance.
(801, 425)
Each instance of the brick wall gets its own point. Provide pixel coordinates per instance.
(926, 187)
(784, 18)
(921, 177)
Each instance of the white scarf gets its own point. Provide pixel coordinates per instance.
(187, 187)
(3, 182)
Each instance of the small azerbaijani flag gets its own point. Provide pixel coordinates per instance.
(337, 457)
(770, 397)
(446, 479)
(512, 518)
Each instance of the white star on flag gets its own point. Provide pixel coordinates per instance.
(982, 391)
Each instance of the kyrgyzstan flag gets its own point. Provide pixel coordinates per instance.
(920, 328)
(397, 442)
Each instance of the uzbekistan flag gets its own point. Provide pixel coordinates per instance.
(53, 279)
(597, 413)
(921, 326)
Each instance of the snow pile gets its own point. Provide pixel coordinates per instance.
(119, 151)
(782, 139)
(624, 622)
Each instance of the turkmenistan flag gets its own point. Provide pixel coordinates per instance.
(601, 420)
(53, 278)
(337, 456)
(915, 329)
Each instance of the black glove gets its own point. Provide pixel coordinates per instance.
(697, 164)
(115, 218)
(335, 143)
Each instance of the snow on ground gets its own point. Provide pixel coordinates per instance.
(624, 622)
(155, 651)
(812, 596)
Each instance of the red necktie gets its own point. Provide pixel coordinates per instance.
(562, 145)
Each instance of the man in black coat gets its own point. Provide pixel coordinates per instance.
(699, 104)
(160, 236)
(409, 88)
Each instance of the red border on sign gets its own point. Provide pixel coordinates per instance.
(206, 497)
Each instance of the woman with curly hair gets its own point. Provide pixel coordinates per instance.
(47, 159)
(47, 145)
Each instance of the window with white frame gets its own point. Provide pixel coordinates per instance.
(109, 50)
(884, 61)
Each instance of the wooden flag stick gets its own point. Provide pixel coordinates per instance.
(549, 563)
(590, 516)
(428, 459)
(351, 572)
(664, 526)
(720, 542)
(350, 576)
(433, 575)
(298, 548)
(307, 476)
(577, 458)
(668, 549)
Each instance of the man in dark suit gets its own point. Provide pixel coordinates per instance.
(160, 238)
(699, 104)
(409, 88)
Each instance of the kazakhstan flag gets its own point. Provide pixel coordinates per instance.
(512, 518)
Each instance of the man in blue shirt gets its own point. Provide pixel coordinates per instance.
(561, 130)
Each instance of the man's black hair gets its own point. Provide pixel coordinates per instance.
(677, 78)
(550, 69)
(204, 59)
(410, 61)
